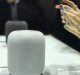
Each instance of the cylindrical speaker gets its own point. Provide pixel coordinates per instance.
(26, 52)
(14, 25)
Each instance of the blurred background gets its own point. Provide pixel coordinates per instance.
(40, 15)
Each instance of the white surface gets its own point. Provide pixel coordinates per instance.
(2, 38)
(59, 53)
(56, 53)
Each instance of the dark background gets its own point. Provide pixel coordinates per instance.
(40, 15)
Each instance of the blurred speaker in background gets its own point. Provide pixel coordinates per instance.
(29, 10)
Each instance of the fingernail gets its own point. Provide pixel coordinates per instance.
(63, 12)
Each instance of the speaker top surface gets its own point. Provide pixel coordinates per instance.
(26, 34)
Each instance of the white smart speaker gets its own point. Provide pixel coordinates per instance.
(26, 52)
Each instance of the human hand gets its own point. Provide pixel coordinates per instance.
(70, 15)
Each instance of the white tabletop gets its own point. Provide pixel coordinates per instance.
(56, 52)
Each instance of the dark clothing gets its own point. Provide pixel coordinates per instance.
(30, 11)
(4, 15)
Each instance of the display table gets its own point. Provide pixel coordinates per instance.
(56, 53)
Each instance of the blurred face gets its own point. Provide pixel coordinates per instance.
(12, 1)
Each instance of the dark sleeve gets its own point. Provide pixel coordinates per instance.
(32, 13)
(77, 2)
(4, 15)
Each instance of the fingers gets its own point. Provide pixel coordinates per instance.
(63, 19)
(71, 4)
(71, 19)
(71, 10)
(68, 3)
(70, 15)
(66, 17)
(72, 30)
(72, 22)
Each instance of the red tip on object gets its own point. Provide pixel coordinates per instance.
(58, 6)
